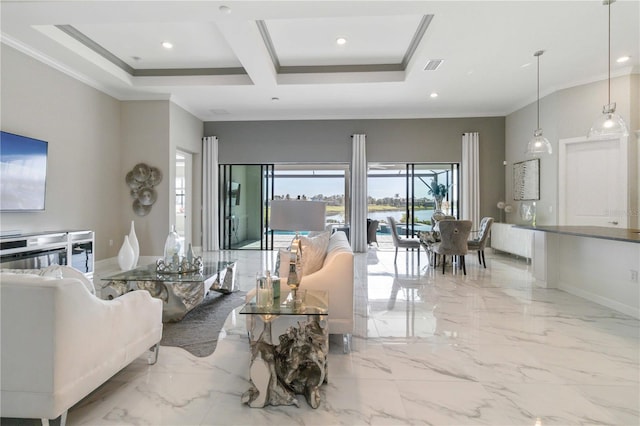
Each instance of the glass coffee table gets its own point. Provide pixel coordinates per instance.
(289, 348)
(180, 293)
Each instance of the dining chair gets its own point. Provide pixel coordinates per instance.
(480, 241)
(403, 242)
(372, 229)
(453, 241)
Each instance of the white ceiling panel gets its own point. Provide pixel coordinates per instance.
(221, 68)
(370, 40)
(195, 44)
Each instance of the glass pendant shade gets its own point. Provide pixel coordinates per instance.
(608, 125)
(539, 145)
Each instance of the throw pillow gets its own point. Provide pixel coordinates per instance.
(314, 250)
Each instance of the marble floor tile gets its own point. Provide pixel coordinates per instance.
(488, 348)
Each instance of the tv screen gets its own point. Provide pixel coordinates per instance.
(23, 173)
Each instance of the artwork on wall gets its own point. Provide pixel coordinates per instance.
(141, 181)
(526, 180)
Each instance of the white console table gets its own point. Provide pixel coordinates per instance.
(506, 238)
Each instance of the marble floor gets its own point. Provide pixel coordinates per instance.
(488, 348)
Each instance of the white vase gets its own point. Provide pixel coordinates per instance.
(133, 240)
(125, 255)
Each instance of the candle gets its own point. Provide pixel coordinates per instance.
(264, 298)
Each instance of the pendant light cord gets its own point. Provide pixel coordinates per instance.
(539, 90)
(609, 53)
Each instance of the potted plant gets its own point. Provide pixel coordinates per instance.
(439, 191)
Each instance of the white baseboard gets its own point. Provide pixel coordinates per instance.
(605, 301)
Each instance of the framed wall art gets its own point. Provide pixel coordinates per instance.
(526, 180)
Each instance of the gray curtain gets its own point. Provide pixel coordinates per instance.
(358, 227)
(210, 212)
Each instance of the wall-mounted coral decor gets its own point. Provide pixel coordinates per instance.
(141, 181)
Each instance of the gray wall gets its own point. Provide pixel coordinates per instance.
(409, 140)
(564, 114)
(82, 126)
(94, 140)
(186, 135)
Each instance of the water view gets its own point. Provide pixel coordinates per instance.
(381, 215)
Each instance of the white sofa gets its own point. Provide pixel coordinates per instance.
(336, 277)
(59, 342)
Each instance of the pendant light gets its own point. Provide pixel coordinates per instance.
(609, 124)
(538, 144)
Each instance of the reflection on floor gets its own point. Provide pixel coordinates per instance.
(486, 348)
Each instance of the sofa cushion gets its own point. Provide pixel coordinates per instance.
(57, 272)
(314, 250)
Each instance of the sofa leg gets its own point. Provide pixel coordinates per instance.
(153, 354)
(346, 343)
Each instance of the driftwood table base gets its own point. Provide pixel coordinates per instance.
(296, 364)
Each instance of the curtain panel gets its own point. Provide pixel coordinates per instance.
(358, 227)
(470, 179)
(210, 188)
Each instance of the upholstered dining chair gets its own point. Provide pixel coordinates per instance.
(453, 240)
(402, 242)
(480, 241)
(437, 217)
(372, 229)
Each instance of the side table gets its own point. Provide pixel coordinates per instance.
(293, 359)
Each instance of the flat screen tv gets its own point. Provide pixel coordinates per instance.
(23, 173)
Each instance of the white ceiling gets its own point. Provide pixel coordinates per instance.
(231, 58)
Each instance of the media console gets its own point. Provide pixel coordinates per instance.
(39, 250)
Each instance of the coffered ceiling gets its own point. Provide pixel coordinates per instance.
(280, 60)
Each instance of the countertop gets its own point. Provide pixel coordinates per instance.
(602, 232)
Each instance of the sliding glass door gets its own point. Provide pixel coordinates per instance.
(245, 191)
(403, 191)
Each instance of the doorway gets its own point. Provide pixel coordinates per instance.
(183, 195)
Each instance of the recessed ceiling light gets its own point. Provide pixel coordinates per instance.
(623, 59)
(275, 99)
(167, 45)
(136, 58)
(434, 95)
(341, 41)
(225, 9)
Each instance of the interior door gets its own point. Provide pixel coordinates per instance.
(593, 182)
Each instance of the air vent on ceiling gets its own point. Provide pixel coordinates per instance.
(433, 64)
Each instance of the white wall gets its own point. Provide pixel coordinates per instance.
(82, 126)
(565, 114)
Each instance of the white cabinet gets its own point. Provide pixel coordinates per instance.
(505, 237)
(34, 251)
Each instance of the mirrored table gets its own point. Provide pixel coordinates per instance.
(180, 293)
(289, 348)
